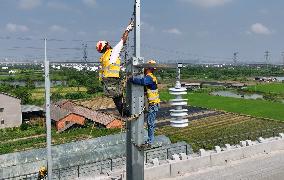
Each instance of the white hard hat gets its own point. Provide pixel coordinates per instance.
(100, 45)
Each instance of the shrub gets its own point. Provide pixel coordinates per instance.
(24, 126)
(56, 96)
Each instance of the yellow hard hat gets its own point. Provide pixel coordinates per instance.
(151, 61)
(43, 169)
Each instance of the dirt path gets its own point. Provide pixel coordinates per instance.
(24, 138)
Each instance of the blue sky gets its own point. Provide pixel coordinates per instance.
(172, 30)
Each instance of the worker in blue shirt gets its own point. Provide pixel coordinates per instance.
(149, 81)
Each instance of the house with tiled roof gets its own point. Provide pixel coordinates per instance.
(66, 113)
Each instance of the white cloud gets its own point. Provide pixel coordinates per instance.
(173, 31)
(57, 28)
(16, 28)
(28, 4)
(208, 3)
(259, 28)
(91, 3)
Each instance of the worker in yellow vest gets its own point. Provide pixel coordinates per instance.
(149, 81)
(109, 72)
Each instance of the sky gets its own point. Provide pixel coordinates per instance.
(171, 30)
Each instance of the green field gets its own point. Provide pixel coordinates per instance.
(14, 139)
(227, 128)
(277, 88)
(38, 93)
(257, 108)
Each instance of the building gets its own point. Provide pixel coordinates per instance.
(10, 111)
(235, 85)
(192, 85)
(64, 119)
(33, 114)
(265, 79)
(66, 113)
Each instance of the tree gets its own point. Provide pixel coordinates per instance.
(93, 86)
(23, 93)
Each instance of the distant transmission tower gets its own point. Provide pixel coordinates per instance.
(85, 52)
(235, 58)
(266, 56)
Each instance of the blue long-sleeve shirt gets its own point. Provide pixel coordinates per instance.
(145, 81)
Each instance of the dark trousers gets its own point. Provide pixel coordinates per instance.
(114, 89)
(151, 121)
(118, 101)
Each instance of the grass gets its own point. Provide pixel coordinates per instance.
(9, 146)
(38, 93)
(257, 108)
(61, 89)
(14, 133)
(277, 88)
(222, 129)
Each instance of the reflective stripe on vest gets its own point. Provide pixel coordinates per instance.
(108, 69)
(153, 95)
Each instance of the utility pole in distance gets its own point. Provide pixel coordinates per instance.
(282, 54)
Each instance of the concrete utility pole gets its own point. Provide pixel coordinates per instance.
(47, 114)
(282, 54)
(135, 99)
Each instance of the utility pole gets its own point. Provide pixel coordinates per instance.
(85, 52)
(235, 58)
(47, 114)
(135, 100)
(282, 54)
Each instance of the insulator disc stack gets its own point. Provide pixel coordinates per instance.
(178, 114)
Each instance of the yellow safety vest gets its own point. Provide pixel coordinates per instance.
(153, 95)
(108, 69)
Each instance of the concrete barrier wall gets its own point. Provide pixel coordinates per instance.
(219, 157)
(91, 156)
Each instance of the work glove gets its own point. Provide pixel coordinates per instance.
(130, 26)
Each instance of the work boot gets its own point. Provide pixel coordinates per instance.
(146, 145)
